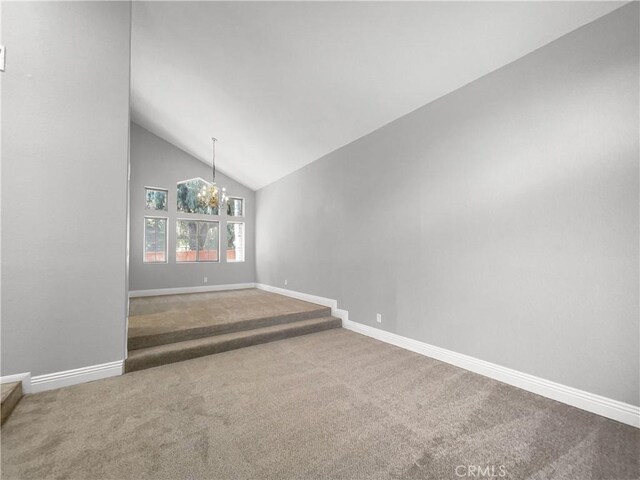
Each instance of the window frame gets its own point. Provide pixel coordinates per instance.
(235, 197)
(197, 221)
(165, 190)
(144, 239)
(244, 243)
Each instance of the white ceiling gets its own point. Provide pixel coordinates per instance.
(281, 84)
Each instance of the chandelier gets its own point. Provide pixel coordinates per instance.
(210, 195)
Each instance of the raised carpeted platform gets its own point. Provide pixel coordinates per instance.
(172, 328)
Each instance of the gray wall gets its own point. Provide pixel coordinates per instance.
(157, 163)
(500, 221)
(65, 109)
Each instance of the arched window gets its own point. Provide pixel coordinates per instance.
(187, 197)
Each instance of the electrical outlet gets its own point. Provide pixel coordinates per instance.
(378, 317)
(286, 282)
(206, 279)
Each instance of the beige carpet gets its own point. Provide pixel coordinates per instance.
(331, 405)
(172, 313)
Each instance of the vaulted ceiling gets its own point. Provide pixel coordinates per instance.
(281, 84)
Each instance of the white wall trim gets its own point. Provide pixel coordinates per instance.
(25, 378)
(50, 381)
(325, 302)
(199, 289)
(607, 407)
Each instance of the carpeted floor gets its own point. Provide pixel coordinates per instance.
(169, 313)
(332, 405)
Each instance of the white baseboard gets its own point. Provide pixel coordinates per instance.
(50, 381)
(25, 378)
(607, 407)
(200, 289)
(325, 302)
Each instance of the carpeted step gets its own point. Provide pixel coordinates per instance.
(141, 340)
(11, 395)
(176, 352)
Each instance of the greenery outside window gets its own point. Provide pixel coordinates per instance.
(187, 197)
(235, 242)
(235, 207)
(197, 241)
(156, 198)
(155, 240)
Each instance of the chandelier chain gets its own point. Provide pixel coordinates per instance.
(211, 196)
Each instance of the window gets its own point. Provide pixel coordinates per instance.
(187, 197)
(155, 240)
(235, 242)
(197, 241)
(156, 198)
(235, 207)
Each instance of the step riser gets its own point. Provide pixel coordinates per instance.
(10, 403)
(137, 343)
(135, 364)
